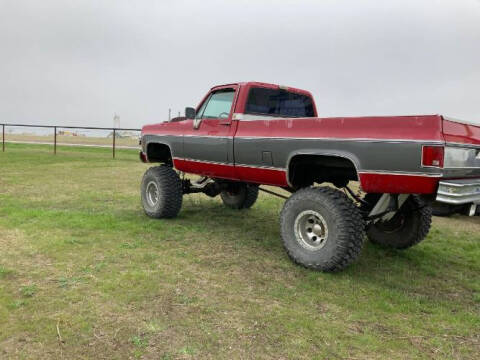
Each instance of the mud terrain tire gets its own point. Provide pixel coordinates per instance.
(407, 228)
(322, 229)
(240, 196)
(161, 192)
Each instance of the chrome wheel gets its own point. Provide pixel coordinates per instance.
(152, 193)
(311, 230)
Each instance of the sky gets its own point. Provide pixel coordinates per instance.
(79, 62)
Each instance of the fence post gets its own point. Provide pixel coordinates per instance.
(3, 137)
(55, 141)
(114, 136)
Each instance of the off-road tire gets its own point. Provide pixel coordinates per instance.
(344, 223)
(407, 228)
(240, 196)
(169, 197)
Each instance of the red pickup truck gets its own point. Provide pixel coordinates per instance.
(244, 135)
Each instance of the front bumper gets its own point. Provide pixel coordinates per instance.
(458, 192)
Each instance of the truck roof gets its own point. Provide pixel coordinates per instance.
(265, 85)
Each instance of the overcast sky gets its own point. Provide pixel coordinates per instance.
(79, 62)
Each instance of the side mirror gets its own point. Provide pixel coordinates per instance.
(190, 113)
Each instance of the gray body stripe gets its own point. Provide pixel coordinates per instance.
(385, 156)
(427, 142)
(382, 156)
(204, 161)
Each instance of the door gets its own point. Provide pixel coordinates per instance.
(208, 145)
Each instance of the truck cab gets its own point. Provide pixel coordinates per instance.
(229, 111)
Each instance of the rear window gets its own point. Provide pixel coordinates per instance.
(278, 102)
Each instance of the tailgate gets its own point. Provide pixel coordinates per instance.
(461, 132)
(462, 149)
(461, 167)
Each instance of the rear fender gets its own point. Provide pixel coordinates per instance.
(315, 152)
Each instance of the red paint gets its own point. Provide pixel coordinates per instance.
(262, 176)
(167, 128)
(398, 184)
(224, 171)
(461, 133)
(426, 127)
(207, 169)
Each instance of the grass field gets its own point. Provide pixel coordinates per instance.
(84, 274)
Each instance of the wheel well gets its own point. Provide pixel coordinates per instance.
(159, 153)
(304, 170)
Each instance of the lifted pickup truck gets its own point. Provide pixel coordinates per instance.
(244, 135)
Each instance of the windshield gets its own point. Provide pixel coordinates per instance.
(278, 102)
(218, 105)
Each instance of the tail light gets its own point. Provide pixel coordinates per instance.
(433, 156)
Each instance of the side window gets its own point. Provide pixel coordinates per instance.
(218, 105)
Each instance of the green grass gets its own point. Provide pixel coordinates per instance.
(85, 274)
